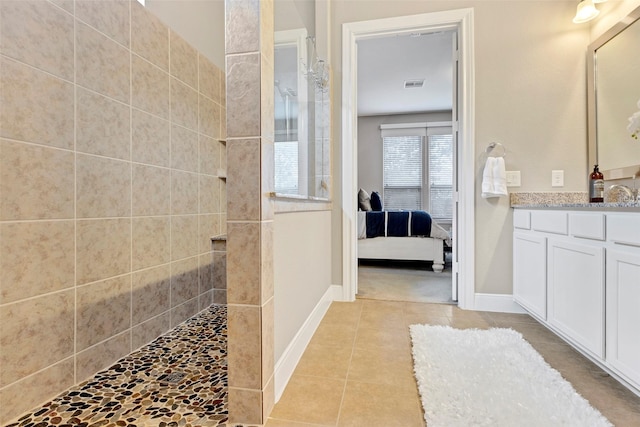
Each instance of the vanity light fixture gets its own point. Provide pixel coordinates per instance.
(586, 11)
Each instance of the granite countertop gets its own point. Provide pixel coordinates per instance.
(565, 200)
(580, 206)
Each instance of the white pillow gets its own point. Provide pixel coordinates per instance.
(364, 200)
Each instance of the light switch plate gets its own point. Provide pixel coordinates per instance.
(557, 178)
(513, 178)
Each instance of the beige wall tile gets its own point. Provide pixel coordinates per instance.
(103, 126)
(151, 241)
(206, 273)
(209, 120)
(209, 155)
(184, 281)
(150, 37)
(219, 296)
(209, 79)
(103, 249)
(183, 60)
(223, 205)
(103, 309)
(22, 333)
(220, 270)
(102, 64)
(266, 261)
(184, 105)
(223, 89)
(64, 4)
(35, 182)
(223, 121)
(26, 394)
(151, 139)
(209, 227)
(150, 297)
(244, 346)
(35, 106)
(184, 311)
(243, 104)
(205, 300)
(150, 195)
(209, 194)
(267, 347)
(103, 187)
(150, 87)
(184, 236)
(110, 17)
(267, 180)
(39, 34)
(184, 193)
(267, 108)
(146, 332)
(184, 149)
(242, 21)
(35, 258)
(102, 355)
(243, 263)
(243, 159)
(245, 406)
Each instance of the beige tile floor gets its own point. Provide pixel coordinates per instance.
(357, 370)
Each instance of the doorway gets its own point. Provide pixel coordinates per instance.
(405, 155)
(460, 21)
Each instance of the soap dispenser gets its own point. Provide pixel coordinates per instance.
(596, 186)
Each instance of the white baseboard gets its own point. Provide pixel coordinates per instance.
(502, 303)
(289, 360)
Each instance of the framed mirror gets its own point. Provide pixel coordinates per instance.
(613, 78)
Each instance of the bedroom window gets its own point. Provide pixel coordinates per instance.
(418, 165)
(403, 176)
(441, 176)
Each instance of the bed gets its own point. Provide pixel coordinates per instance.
(401, 235)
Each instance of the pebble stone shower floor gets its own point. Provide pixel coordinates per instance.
(178, 380)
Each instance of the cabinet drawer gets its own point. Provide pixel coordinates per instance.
(587, 225)
(624, 229)
(550, 221)
(522, 219)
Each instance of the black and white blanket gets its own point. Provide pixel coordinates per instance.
(399, 224)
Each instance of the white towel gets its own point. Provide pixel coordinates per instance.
(494, 178)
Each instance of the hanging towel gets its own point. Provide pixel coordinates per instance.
(494, 178)
(500, 178)
(487, 178)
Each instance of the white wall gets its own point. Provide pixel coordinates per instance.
(370, 144)
(302, 270)
(610, 13)
(530, 95)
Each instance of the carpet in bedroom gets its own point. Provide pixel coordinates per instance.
(492, 378)
(403, 281)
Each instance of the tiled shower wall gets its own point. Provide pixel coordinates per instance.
(111, 186)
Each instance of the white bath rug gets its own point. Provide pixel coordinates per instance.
(492, 378)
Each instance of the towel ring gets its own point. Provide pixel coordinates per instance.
(495, 145)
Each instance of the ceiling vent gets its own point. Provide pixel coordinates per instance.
(409, 84)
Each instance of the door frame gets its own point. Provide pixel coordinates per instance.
(462, 21)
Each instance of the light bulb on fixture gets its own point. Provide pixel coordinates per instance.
(586, 12)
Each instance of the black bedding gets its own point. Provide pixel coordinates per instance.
(398, 223)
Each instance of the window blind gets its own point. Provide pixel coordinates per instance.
(402, 172)
(441, 176)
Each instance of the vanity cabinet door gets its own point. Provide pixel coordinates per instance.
(623, 313)
(530, 272)
(576, 293)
